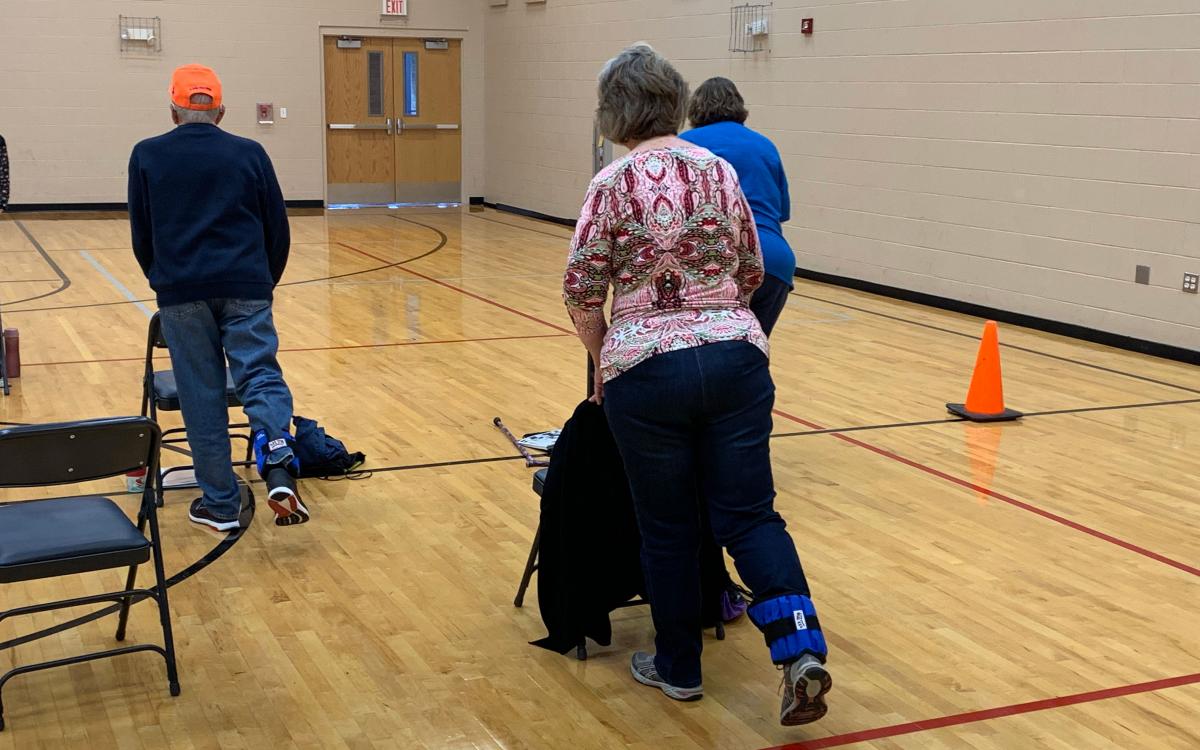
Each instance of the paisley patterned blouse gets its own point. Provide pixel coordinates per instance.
(672, 233)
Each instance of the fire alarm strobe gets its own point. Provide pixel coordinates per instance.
(806, 26)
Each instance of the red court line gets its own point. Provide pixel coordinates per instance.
(460, 290)
(970, 717)
(322, 348)
(1002, 498)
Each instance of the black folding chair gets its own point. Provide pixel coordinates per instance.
(66, 536)
(4, 386)
(531, 564)
(160, 393)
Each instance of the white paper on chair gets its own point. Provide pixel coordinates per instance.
(178, 479)
(540, 441)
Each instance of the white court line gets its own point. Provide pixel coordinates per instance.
(117, 284)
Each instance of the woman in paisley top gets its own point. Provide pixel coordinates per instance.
(681, 371)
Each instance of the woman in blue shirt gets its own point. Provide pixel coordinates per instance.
(717, 113)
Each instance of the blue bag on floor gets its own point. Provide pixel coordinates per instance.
(321, 455)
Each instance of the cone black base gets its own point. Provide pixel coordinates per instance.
(960, 410)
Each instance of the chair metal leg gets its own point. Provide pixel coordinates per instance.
(81, 659)
(530, 566)
(581, 650)
(123, 618)
(164, 608)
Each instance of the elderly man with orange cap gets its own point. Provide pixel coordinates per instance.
(210, 230)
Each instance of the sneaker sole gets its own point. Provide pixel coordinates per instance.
(808, 698)
(289, 511)
(684, 695)
(214, 525)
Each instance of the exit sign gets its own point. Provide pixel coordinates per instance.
(395, 7)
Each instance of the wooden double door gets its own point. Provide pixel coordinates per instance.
(393, 114)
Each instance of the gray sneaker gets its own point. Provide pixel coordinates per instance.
(644, 671)
(805, 683)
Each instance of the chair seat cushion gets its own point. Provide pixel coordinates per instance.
(166, 392)
(42, 538)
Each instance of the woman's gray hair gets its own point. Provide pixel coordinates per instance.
(191, 116)
(642, 96)
(717, 100)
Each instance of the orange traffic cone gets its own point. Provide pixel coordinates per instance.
(985, 399)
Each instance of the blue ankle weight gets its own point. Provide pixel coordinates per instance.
(263, 448)
(790, 627)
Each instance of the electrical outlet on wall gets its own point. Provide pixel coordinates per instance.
(1191, 283)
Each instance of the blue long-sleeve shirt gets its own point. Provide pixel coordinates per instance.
(760, 170)
(207, 216)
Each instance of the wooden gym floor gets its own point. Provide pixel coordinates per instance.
(1031, 585)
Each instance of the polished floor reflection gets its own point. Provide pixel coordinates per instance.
(1026, 585)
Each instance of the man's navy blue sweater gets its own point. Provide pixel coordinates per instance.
(207, 216)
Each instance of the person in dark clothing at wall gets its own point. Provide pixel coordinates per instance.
(3, 174)
(210, 231)
(717, 113)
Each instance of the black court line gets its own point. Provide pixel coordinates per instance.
(369, 470)
(930, 326)
(232, 537)
(1086, 409)
(518, 226)
(434, 465)
(442, 241)
(440, 233)
(950, 420)
(65, 281)
(440, 464)
(1060, 358)
(861, 428)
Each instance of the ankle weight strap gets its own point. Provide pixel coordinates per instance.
(790, 627)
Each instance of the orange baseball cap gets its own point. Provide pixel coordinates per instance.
(195, 79)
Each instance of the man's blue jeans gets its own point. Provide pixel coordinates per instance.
(200, 335)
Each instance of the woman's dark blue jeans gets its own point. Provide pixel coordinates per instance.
(693, 426)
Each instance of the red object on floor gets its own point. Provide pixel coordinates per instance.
(12, 352)
(135, 481)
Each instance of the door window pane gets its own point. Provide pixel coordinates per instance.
(375, 84)
(410, 84)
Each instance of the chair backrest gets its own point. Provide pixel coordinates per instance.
(154, 338)
(69, 452)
